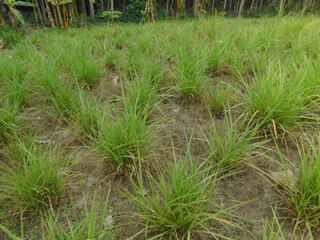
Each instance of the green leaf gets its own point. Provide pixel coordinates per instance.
(20, 18)
(105, 14)
(9, 233)
(65, 2)
(25, 4)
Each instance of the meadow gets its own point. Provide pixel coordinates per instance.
(191, 129)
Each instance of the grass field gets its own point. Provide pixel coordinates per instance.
(202, 129)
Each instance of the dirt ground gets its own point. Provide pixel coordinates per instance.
(249, 187)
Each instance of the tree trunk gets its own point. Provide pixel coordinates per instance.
(212, 7)
(55, 13)
(195, 8)
(236, 6)
(167, 7)
(261, 3)
(39, 10)
(83, 8)
(282, 2)
(241, 8)
(111, 9)
(50, 14)
(230, 6)
(177, 9)
(252, 4)
(43, 11)
(2, 19)
(59, 15)
(65, 16)
(91, 8)
(70, 10)
(149, 11)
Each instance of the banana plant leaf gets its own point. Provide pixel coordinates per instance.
(24, 4)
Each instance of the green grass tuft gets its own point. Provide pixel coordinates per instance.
(302, 194)
(178, 204)
(233, 145)
(190, 75)
(34, 177)
(124, 137)
(8, 119)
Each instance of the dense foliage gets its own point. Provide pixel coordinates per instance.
(62, 13)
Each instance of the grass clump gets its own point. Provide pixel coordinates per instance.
(302, 194)
(276, 105)
(8, 115)
(34, 177)
(179, 202)
(86, 69)
(11, 37)
(92, 226)
(88, 114)
(274, 230)
(111, 57)
(218, 98)
(141, 95)
(14, 83)
(121, 139)
(233, 145)
(55, 90)
(190, 75)
(213, 59)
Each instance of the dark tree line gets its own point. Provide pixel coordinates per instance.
(62, 13)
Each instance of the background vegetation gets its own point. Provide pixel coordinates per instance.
(63, 13)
